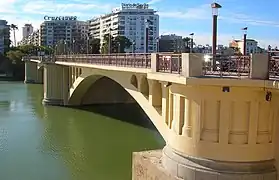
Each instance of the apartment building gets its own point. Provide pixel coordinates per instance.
(131, 21)
(55, 29)
(171, 43)
(27, 29)
(33, 38)
(251, 46)
(4, 35)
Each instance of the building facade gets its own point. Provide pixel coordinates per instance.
(251, 46)
(4, 35)
(171, 43)
(131, 21)
(33, 38)
(27, 29)
(67, 29)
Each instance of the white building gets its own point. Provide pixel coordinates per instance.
(27, 29)
(130, 21)
(68, 28)
(251, 46)
(33, 38)
(4, 35)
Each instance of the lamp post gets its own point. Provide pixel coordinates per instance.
(73, 47)
(157, 43)
(147, 22)
(134, 43)
(192, 42)
(65, 44)
(244, 40)
(215, 7)
(87, 43)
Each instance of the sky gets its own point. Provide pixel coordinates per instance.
(180, 17)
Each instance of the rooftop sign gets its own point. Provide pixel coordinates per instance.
(60, 18)
(134, 6)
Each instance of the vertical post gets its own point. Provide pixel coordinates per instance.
(146, 39)
(214, 35)
(244, 40)
(192, 42)
(87, 47)
(109, 45)
(215, 7)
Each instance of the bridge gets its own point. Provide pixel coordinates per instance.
(218, 115)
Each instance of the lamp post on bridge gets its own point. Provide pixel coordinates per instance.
(215, 7)
(244, 40)
(147, 23)
(192, 42)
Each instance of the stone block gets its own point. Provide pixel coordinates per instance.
(206, 175)
(229, 177)
(184, 172)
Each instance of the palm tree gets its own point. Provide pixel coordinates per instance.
(14, 28)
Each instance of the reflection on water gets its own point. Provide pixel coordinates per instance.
(46, 143)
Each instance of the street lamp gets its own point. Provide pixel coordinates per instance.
(147, 23)
(65, 44)
(73, 46)
(134, 44)
(192, 42)
(157, 43)
(244, 40)
(87, 43)
(215, 7)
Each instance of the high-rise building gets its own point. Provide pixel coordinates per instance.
(171, 43)
(33, 38)
(27, 29)
(4, 35)
(130, 21)
(55, 29)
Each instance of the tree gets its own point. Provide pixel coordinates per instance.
(186, 43)
(107, 44)
(120, 43)
(94, 46)
(14, 28)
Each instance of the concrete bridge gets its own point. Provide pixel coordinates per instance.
(217, 115)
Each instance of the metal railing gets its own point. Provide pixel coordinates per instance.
(123, 60)
(222, 65)
(273, 63)
(169, 63)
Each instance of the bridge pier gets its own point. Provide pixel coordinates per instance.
(56, 87)
(218, 133)
(31, 72)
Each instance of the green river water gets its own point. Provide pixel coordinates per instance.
(58, 143)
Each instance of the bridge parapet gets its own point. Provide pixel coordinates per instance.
(123, 60)
(255, 66)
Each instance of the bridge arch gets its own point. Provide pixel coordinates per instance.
(100, 87)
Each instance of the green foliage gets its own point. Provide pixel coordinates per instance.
(79, 46)
(117, 44)
(13, 58)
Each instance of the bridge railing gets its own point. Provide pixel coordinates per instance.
(224, 65)
(273, 63)
(169, 63)
(124, 60)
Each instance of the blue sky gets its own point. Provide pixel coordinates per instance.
(176, 16)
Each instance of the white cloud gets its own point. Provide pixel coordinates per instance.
(154, 2)
(200, 12)
(20, 12)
